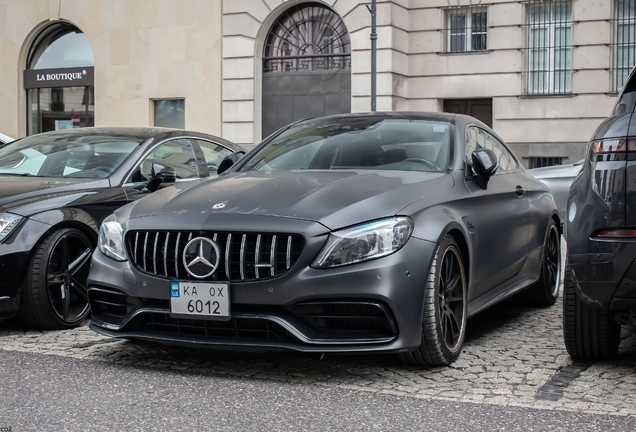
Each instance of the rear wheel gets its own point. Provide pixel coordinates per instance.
(54, 295)
(590, 334)
(444, 315)
(546, 290)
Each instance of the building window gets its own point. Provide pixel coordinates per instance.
(549, 59)
(625, 41)
(170, 113)
(540, 162)
(466, 29)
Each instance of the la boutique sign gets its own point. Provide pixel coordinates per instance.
(67, 77)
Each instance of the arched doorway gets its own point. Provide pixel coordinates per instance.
(59, 80)
(306, 66)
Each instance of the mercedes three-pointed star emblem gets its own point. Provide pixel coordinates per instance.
(201, 257)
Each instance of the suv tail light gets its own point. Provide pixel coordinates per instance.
(617, 233)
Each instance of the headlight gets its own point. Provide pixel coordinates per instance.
(364, 242)
(8, 221)
(111, 239)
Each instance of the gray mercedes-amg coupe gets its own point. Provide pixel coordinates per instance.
(376, 232)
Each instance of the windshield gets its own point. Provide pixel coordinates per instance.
(370, 143)
(96, 156)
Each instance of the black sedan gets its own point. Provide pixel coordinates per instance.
(55, 190)
(354, 233)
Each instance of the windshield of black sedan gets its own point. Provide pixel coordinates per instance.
(95, 157)
(369, 143)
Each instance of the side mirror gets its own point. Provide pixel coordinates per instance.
(230, 160)
(485, 165)
(165, 173)
(152, 186)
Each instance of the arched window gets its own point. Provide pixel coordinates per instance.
(307, 37)
(59, 80)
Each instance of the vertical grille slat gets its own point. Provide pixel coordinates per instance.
(244, 256)
(257, 255)
(228, 248)
(176, 255)
(272, 256)
(145, 244)
(165, 255)
(154, 254)
(288, 258)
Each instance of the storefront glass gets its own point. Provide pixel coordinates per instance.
(59, 81)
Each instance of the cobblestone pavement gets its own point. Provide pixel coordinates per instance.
(513, 356)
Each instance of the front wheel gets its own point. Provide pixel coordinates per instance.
(444, 315)
(54, 294)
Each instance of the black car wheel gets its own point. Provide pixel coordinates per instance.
(546, 290)
(590, 334)
(54, 295)
(444, 316)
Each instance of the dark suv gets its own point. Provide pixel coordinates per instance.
(600, 282)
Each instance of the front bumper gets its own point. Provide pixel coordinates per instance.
(371, 306)
(606, 278)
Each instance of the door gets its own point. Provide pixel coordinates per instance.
(306, 66)
(481, 109)
(502, 213)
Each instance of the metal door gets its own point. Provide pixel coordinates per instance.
(306, 67)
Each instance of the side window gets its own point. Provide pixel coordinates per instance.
(213, 154)
(177, 154)
(471, 145)
(506, 160)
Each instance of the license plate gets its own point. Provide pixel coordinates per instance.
(207, 300)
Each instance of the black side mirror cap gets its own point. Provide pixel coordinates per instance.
(152, 186)
(485, 165)
(166, 173)
(228, 161)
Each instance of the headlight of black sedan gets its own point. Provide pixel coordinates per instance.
(364, 242)
(8, 222)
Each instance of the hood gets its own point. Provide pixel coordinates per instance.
(17, 192)
(333, 198)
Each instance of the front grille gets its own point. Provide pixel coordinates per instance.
(235, 328)
(244, 256)
(346, 316)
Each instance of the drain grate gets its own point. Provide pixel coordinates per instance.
(553, 389)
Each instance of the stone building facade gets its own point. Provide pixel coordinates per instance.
(542, 73)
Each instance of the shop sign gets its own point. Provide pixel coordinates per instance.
(67, 77)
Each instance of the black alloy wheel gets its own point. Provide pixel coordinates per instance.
(445, 309)
(54, 295)
(546, 291)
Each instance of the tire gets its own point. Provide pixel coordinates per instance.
(442, 333)
(590, 334)
(546, 291)
(54, 293)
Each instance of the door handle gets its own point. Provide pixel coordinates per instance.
(520, 191)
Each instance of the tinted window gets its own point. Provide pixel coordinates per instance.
(176, 154)
(479, 138)
(65, 156)
(213, 154)
(357, 143)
